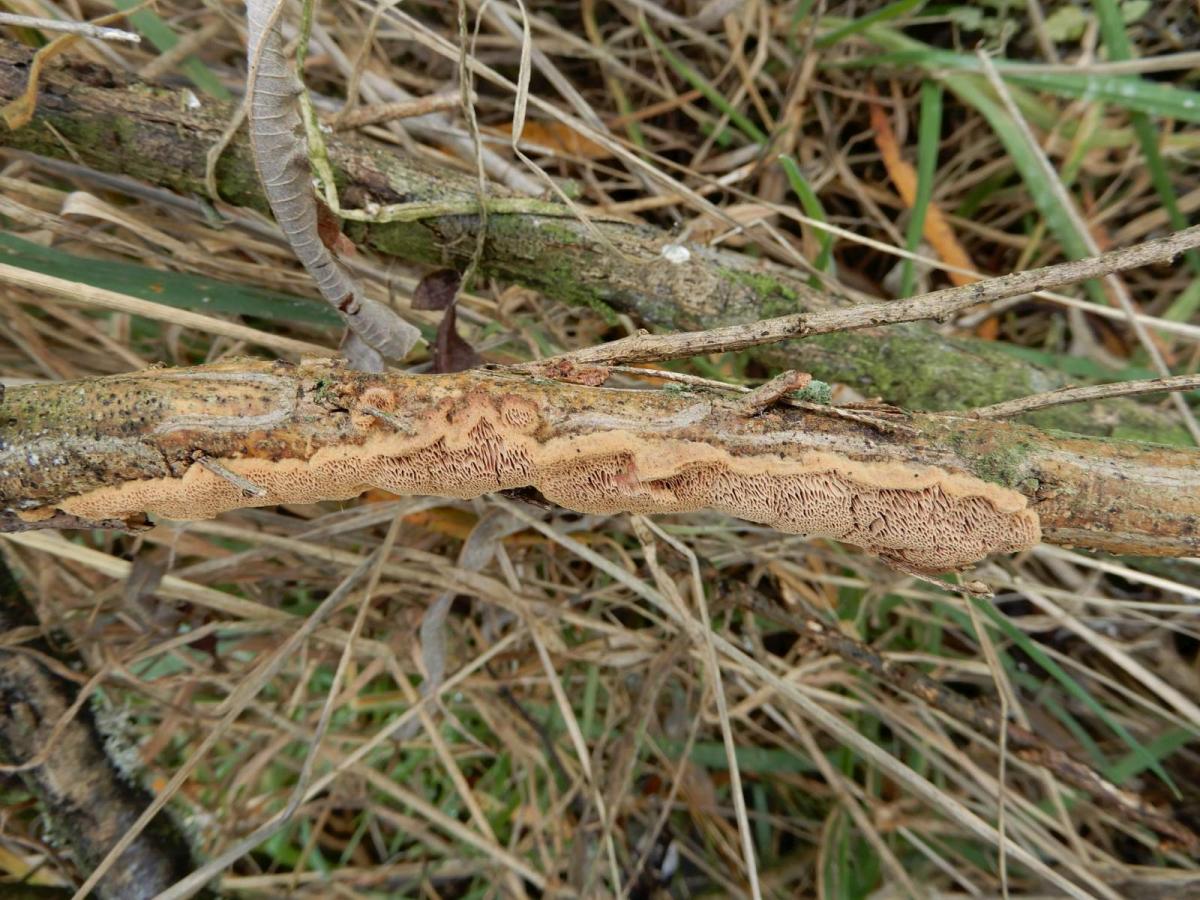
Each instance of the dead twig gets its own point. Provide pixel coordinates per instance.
(247, 487)
(767, 395)
(378, 113)
(81, 29)
(1086, 394)
(941, 304)
(1117, 288)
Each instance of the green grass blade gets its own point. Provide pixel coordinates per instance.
(1135, 94)
(812, 208)
(929, 139)
(1186, 305)
(1160, 748)
(1075, 689)
(1131, 92)
(705, 87)
(1116, 40)
(884, 14)
(151, 26)
(191, 292)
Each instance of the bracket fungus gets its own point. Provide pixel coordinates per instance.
(325, 433)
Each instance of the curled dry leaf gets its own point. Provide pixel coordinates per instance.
(281, 157)
(437, 290)
(451, 353)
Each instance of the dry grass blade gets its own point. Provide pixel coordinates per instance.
(542, 702)
(232, 707)
(88, 295)
(83, 29)
(215, 866)
(644, 529)
(954, 809)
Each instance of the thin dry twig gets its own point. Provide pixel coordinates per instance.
(378, 113)
(936, 305)
(1087, 394)
(1118, 288)
(245, 485)
(766, 395)
(82, 29)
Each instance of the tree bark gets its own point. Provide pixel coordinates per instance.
(188, 443)
(92, 116)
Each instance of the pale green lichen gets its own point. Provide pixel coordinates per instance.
(814, 392)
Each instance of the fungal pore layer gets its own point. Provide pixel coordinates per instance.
(920, 516)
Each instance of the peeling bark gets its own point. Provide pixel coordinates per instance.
(88, 114)
(929, 491)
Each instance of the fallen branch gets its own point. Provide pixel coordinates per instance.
(93, 116)
(936, 305)
(53, 742)
(939, 494)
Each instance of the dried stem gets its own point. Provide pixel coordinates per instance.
(936, 305)
(379, 113)
(1087, 394)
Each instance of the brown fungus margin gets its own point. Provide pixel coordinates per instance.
(322, 433)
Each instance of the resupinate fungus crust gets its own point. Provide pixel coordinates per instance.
(920, 516)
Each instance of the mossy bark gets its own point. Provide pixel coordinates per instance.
(59, 441)
(89, 115)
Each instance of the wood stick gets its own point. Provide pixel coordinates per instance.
(65, 26)
(1087, 394)
(109, 448)
(936, 305)
(49, 735)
